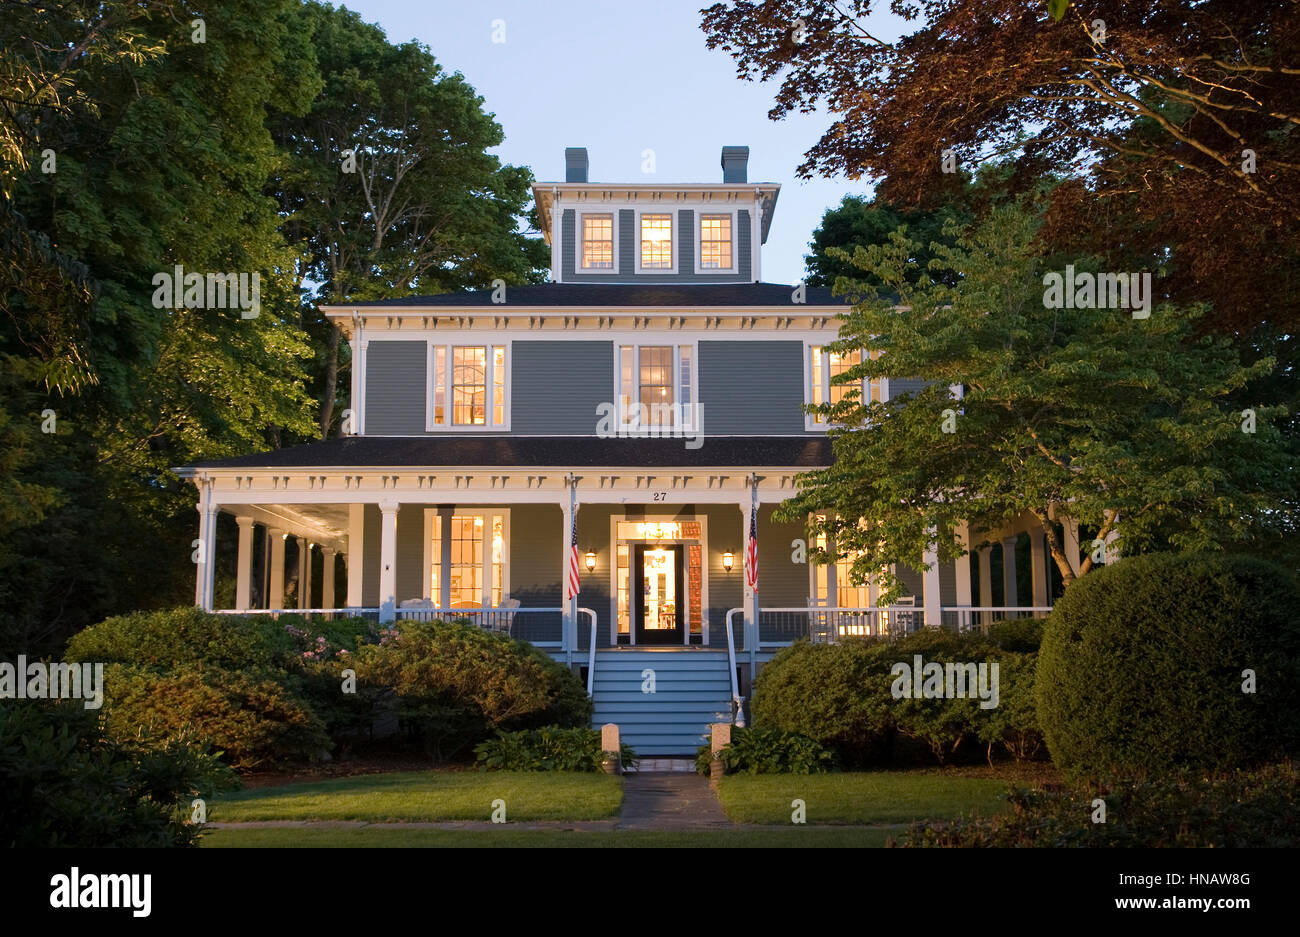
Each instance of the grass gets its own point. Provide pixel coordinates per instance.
(876, 797)
(378, 836)
(429, 796)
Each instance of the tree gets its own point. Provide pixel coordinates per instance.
(388, 184)
(1176, 118)
(1120, 423)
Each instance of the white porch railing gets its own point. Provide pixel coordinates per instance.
(370, 614)
(781, 627)
(978, 617)
(736, 698)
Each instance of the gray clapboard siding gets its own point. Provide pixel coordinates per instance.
(556, 386)
(626, 271)
(752, 388)
(395, 388)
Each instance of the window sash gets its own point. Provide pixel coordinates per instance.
(475, 571)
(656, 242)
(658, 374)
(715, 242)
(822, 368)
(597, 242)
(469, 386)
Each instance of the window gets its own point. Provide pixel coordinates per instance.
(468, 387)
(657, 386)
(597, 242)
(657, 242)
(823, 367)
(715, 242)
(832, 586)
(473, 570)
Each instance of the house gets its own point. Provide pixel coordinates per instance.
(644, 413)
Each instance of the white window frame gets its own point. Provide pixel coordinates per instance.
(810, 420)
(691, 426)
(443, 600)
(673, 214)
(734, 269)
(578, 268)
(705, 567)
(430, 377)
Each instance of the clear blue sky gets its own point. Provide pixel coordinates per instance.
(620, 77)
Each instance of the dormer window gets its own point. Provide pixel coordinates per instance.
(715, 242)
(656, 241)
(598, 242)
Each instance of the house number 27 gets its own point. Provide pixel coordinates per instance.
(661, 495)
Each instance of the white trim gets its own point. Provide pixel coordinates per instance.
(734, 269)
(450, 342)
(578, 239)
(557, 230)
(638, 340)
(755, 240)
(670, 209)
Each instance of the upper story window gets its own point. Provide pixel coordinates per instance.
(468, 387)
(716, 242)
(824, 365)
(656, 241)
(597, 242)
(657, 386)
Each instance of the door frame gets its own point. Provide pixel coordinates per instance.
(700, 518)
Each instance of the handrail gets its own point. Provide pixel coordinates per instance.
(591, 650)
(731, 671)
(353, 611)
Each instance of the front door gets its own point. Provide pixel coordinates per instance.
(658, 594)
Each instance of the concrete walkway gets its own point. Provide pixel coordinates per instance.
(674, 801)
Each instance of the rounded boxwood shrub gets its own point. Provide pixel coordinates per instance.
(456, 684)
(252, 721)
(165, 638)
(1141, 667)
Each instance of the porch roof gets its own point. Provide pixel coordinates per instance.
(805, 452)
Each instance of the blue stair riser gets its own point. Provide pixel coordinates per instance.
(692, 691)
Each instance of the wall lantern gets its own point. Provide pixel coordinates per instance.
(591, 560)
(728, 560)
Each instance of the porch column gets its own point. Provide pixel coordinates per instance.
(304, 564)
(204, 567)
(1009, 587)
(986, 582)
(930, 585)
(244, 567)
(356, 536)
(962, 570)
(1038, 564)
(388, 561)
(327, 578)
(568, 617)
(275, 594)
(749, 596)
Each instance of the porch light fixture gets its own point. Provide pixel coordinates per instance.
(728, 560)
(591, 560)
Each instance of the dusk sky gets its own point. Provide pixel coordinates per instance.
(609, 77)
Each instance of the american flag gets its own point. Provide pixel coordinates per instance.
(574, 582)
(751, 550)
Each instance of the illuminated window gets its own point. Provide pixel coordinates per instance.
(824, 367)
(715, 242)
(474, 570)
(656, 242)
(467, 386)
(657, 385)
(598, 242)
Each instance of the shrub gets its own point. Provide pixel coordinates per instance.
(1141, 668)
(841, 696)
(1019, 635)
(178, 636)
(68, 784)
(1183, 810)
(253, 721)
(768, 751)
(836, 694)
(550, 748)
(457, 684)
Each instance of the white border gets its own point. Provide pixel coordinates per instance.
(444, 573)
(734, 269)
(703, 521)
(672, 211)
(430, 375)
(637, 342)
(578, 214)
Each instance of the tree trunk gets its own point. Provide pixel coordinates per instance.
(331, 382)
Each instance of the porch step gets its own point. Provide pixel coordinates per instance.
(692, 690)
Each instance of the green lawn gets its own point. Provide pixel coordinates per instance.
(428, 796)
(378, 836)
(872, 797)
